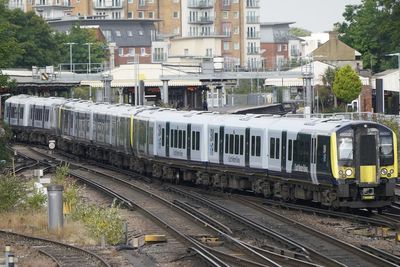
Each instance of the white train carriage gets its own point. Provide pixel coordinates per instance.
(16, 112)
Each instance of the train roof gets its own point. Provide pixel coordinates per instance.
(261, 121)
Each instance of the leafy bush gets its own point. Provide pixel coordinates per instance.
(12, 192)
(35, 200)
(61, 174)
(101, 222)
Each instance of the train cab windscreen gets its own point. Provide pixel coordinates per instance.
(386, 149)
(345, 150)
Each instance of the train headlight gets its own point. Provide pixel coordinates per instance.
(391, 171)
(341, 172)
(384, 171)
(349, 172)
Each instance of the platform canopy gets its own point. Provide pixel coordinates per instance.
(125, 76)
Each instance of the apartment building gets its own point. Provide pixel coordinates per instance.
(235, 22)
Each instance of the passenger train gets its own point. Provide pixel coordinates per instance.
(337, 163)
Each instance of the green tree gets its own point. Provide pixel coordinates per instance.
(80, 52)
(347, 85)
(35, 38)
(9, 47)
(372, 29)
(328, 79)
(299, 32)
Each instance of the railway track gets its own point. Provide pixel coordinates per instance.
(365, 218)
(143, 197)
(62, 254)
(322, 248)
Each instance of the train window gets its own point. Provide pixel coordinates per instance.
(386, 150)
(277, 149)
(226, 143)
(193, 140)
(253, 145)
(215, 142)
(176, 138)
(150, 136)
(290, 150)
(172, 138)
(367, 150)
(241, 145)
(258, 146)
(231, 140)
(198, 141)
(236, 144)
(345, 148)
(184, 140)
(180, 139)
(272, 148)
(163, 137)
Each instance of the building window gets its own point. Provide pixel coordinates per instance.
(177, 30)
(107, 35)
(120, 51)
(130, 15)
(142, 2)
(140, 32)
(236, 46)
(131, 51)
(118, 33)
(130, 34)
(141, 15)
(130, 1)
(209, 52)
(236, 30)
(226, 45)
(143, 51)
(236, 14)
(225, 14)
(151, 14)
(175, 14)
(279, 48)
(186, 52)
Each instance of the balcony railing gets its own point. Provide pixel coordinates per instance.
(201, 20)
(107, 7)
(201, 4)
(160, 57)
(253, 50)
(252, 19)
(253, 35)
(253, 3)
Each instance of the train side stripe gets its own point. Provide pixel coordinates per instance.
(334, 157)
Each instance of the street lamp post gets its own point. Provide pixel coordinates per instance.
(398, 67)
(89, 44)
(70, 55)
(1, 111)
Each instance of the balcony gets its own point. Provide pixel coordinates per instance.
(252, 19)
(253, 35)
(102, 5)
(159, 57)
(203, 4)
(226, 5)
(201, 20)
(253, 50)
(252, 3)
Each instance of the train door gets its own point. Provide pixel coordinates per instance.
(367, 162)
(291, 137)
(255, 151)
(274, 155)
(284, 151)
(313, 159)
(213, 149)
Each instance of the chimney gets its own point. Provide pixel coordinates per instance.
(333, 35)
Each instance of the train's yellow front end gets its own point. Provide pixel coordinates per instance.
(364, 164)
